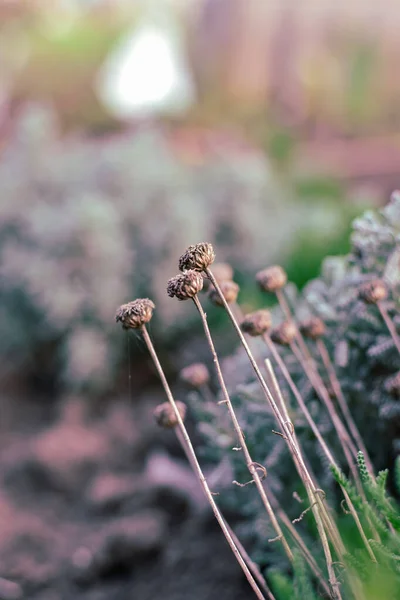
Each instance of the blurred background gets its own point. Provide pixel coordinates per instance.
(129, 130)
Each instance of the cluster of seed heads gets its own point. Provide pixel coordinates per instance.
(195, 375)
(165, 416)
(313, 328)
(373, 291)
(135, 314)
(185, 285)
(194, 265)
(257, 323)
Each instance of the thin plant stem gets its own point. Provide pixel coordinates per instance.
(300, 542)
(253, 567)
(251, 465)
(317, 502)
(285, 308)
(389, 324)
(330, 524)
(319, 386)
(330, 369)
(313, 493)
(197, 466)
(307, 360)
(205, 391)
(319, 437)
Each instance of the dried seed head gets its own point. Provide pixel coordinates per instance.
(197, 257)
(271, 279)
(185, 285)
(312, 328)
(256, 323)
(373, 291)
(195, 375)
(284, 334)
(221, 272)
(392, 385)
(136, 313)
(230, 291)
(165, 416)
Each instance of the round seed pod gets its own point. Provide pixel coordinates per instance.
(195, 375)
(230, 291)
(185, 286)
(136, 313)
(373, 291)
(221, 271)
(165, 415)
(312, 328)
(257, 322)
(284, 333)
(197, 257)
(271, 279)
(392, 385)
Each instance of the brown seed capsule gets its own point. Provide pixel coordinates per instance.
(256, 323)
(165, 416)
(197, 257)
(284, 334)
(230, 291)
(271, 279)
(136, 313)
(221, 272)
(185, 286)
(373, 291)
(312, 328)
(195, 375)
(392, 385)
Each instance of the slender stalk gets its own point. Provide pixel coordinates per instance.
(329, 523)
(389, 324)
(322, 518)
(251, 465)
(297, 457)
(323, 393)
(330, 369)
(253, 567)
(197, 467)
(321, 441)
(300, 542)
(285, 308)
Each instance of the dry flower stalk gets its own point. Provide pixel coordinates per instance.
(179, 283)
(297, 457)
(140, 323)
(325, 448)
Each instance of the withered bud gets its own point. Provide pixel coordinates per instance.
(165, 416)
(195, 375)
(392, 385)
(373, 291)
(271, 279)
(197, 257)
(312, 328)
(257, 322)
(185, 286)
(230, 291)
(221, 272)
(284, 333)
(136, 313)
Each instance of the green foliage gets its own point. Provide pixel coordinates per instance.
(303, 586)
(281, 585)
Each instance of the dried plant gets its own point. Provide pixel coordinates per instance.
(336, 352)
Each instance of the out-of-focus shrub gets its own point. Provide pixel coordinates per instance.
(88, 224)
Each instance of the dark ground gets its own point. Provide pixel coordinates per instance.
(104, 508)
